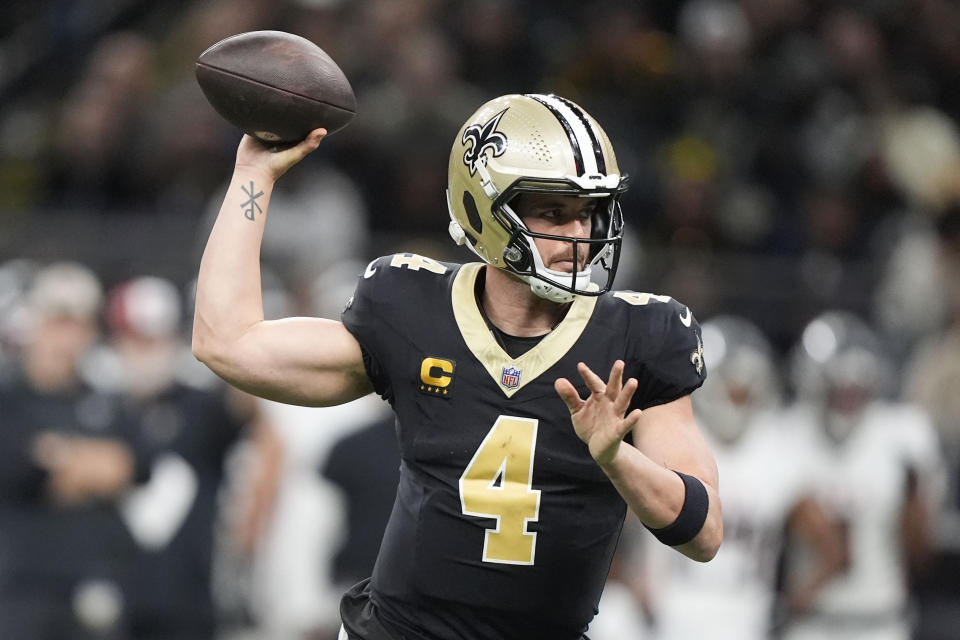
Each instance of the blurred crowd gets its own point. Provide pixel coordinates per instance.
(795, 179)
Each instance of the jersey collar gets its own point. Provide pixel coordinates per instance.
(512, 374)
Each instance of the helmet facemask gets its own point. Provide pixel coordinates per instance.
(601, 250)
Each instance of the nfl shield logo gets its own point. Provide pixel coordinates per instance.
(510, 378)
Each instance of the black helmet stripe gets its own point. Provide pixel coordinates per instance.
(565, 123)
(594, 140)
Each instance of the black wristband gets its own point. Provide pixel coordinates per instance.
(692, 514)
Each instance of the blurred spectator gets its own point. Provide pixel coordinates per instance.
(66, 460)
(99, 124)
(933, 375)
(921, 149)
(911, 300)
(767, 493)
(414, 106)
(877, 474)
(187, 433)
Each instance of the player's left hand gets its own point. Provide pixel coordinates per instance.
(599, 420)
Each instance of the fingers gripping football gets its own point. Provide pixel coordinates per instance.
(600, 420)
(274, 161)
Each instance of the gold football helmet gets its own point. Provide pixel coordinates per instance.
(540, 144)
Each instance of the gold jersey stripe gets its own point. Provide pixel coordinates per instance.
(491, 355)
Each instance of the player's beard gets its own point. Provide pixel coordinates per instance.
(563, 261)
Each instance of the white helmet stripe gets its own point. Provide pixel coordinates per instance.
(580, 137)
(591, 131)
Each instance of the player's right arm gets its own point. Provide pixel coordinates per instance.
(309, 361)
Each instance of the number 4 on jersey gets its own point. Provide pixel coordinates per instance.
(497, 484)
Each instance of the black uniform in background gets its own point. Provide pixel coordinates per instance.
(170, 594)
(503, 526)
(48, 550)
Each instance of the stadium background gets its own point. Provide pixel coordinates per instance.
(786, 156)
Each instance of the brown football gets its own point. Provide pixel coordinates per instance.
(275, 85)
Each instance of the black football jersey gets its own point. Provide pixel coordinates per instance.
(503, 525)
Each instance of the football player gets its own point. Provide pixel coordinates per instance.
(735, 596)
(534, 404)
(878, 475)
(186, 433)
(68, 459)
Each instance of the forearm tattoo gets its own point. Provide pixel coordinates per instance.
(250, 207)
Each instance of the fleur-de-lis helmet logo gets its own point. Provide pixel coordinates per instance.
(696, 357)
(482, 138)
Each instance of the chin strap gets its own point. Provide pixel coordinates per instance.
(554, 293)
(548, 291)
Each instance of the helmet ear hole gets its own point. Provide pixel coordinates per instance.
(601, 218)
(473, 214)
(599, 226)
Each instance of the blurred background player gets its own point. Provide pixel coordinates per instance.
(767, 497)
(876, 473)
(67, 457)
(293, 590)
(187, 432)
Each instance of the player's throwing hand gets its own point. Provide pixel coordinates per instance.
(272, 161)
(599, 420)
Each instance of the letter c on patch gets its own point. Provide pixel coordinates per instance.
(436, 372)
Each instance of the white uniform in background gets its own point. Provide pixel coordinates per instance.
(862, 481)
(732, 597)
(620, 616)
(292, 590)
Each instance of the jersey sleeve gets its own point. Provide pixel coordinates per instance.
(364, 318)
(671, 349)
(394, 299)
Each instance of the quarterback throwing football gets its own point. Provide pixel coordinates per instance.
(534, 404)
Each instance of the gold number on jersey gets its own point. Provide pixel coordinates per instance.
(496, 484)
(417, 262)
(638, 299)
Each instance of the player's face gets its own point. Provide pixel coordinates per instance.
(62, 337)
(557, 215)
